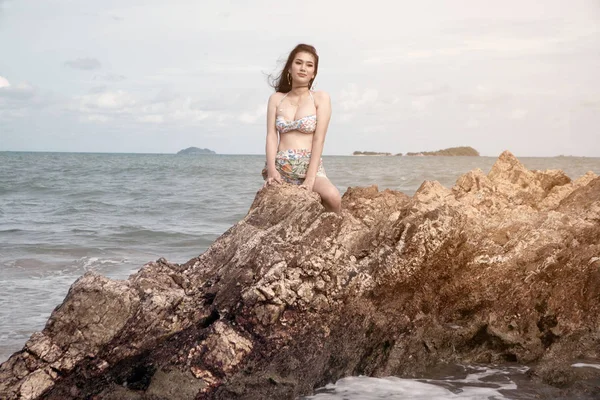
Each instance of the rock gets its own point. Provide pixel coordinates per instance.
(452, 151)
(195, 151)
(35, 384)
(175, 384)
(503, 267)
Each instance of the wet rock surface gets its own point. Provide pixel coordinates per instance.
(501, 268)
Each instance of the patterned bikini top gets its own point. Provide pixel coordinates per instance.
(306, 124)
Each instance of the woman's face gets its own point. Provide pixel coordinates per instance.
(303, 68)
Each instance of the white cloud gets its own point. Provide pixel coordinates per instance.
(84, 63)
(476, 106)
(118, 100)
(4, 82)
(255, 116)
(109, 77)
(421, 104)
(488, 43)
(18, 100)
(96, 118)
(352, 98)
(158, 119)
(165, 107)
(472, 123)
(590, 103)
(518, 113)
(484, 96)
(431, 89)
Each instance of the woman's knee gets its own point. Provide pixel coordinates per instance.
(333, 199)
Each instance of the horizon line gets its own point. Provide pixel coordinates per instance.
(262, 154)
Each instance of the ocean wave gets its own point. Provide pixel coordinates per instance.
(480, 383)
(141, 234)
(12, 230)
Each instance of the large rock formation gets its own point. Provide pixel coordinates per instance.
(503, 267)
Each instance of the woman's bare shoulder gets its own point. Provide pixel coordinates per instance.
(321, 95)
(276, 96)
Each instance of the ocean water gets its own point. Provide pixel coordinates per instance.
(62, 214)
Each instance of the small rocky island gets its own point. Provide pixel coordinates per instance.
(195, 150)
(370, 153)
(503, 267)
(452, 151)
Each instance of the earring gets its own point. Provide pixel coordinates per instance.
(289, 78)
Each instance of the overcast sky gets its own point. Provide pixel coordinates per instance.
(158, 76)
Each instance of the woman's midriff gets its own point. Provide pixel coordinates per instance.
(295, 140)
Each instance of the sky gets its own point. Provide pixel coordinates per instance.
(153, 76)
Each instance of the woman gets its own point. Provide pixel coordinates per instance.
(297, 121)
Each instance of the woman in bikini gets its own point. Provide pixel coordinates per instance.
(297, 121)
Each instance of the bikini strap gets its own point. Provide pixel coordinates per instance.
(309, 93)
(281, 101)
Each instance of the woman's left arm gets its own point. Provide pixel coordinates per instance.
(323, 104)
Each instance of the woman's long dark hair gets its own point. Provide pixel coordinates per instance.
(280, 83)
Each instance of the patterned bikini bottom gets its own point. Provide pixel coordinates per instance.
(292, 165)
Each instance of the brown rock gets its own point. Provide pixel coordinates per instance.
(502, 267)
(35, 385)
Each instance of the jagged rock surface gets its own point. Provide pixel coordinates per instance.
(503, 267)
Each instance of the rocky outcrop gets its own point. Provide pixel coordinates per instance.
(370, 153)
(452, 151)
(503, 267)
(195, 151)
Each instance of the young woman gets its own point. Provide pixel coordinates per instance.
(297, 121)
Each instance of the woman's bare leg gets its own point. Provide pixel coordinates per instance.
(330, 196)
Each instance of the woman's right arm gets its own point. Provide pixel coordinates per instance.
(272, 140)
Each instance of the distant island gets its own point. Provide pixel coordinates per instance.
(370, 153)
(195, 150)
(452, 151)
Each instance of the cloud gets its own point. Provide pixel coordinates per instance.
(431, 89)
(86, 64)
(351, 98)
(157, 119)
(518, 113)
(95, 118)
(109, 77)
(483, 96)
(255, 116)
(114, 17)
(486, 39)
(472, 123)
(3, 81)
(15, 93)
(474, 27)
(102, 104)
(590, 103)
(21, 100)
(118, 100)
(421, 104)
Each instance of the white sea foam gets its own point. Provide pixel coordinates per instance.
(482, 383)
(586, 365)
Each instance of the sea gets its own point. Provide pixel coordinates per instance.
(62, 214)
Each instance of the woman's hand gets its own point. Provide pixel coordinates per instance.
(308, 184)
(273, 177)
